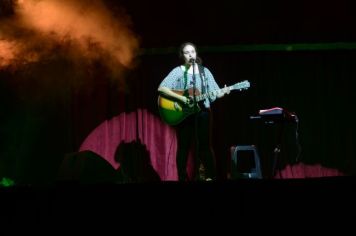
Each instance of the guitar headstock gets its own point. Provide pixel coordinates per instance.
(242, 85)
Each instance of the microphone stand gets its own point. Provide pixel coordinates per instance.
(195, 109)
(194, 86)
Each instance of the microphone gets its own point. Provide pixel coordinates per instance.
(192, 60)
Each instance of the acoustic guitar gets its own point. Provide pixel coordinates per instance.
(174, 111)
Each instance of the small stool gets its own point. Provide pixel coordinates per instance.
(245, 162)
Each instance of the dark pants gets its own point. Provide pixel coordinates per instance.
(195, 129)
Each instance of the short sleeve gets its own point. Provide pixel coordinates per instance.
(171, 79)
(211, 81)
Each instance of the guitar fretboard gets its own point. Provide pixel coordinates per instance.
(214, 93)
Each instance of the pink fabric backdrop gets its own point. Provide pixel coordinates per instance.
(301, 170)
(159, 138)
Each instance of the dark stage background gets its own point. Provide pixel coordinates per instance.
(43, 123)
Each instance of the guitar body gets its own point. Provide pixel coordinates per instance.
(173, 112)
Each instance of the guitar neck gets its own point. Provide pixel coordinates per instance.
(214, 93)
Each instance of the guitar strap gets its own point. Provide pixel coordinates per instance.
(185, 75)
(204, 81)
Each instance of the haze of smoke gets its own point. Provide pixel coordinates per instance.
(82, 30)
